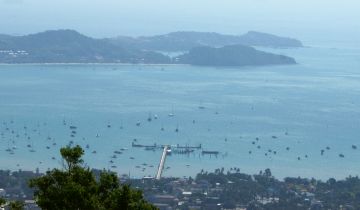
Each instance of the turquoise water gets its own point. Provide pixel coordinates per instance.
(307, 107)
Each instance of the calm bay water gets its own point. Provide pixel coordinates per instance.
(306, 107)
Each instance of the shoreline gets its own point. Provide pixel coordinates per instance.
(190, 174)
(140, 64)
(118, 64)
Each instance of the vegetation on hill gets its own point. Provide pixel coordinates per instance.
(234, 55)
(186, 40)
(263, 191)
(68, 46)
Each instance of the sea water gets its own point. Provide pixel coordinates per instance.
(234, 110)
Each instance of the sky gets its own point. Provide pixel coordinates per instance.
(309, 20)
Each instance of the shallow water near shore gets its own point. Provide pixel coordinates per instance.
(305, 107)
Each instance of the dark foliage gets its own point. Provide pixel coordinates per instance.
(76, 187)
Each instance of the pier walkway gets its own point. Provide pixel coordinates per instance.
(162, 162)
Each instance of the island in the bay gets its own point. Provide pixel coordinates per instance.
(195, 48)
(232, 55)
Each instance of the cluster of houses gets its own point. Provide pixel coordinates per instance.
(28, 204)
(181, 193)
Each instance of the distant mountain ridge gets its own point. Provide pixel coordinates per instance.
(186, 40)
(69, 46)
(66, 46)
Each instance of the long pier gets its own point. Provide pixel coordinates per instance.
(188, 147)
(162, 162)
(159, 146)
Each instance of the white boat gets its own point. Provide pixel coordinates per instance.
(171, 114)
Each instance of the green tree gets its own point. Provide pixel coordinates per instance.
(268, 172)
(2, 201)
(75, 187)
(16, 205)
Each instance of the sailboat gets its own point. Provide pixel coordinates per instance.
(171, 114)
(201, 106)
(121, 125)
(32, 148)
(8, 149)
(149, 118)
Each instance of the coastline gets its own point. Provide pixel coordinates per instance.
(104, 64)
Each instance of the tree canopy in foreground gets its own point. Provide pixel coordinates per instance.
(76, 187)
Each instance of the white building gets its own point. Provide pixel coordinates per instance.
(2, 192)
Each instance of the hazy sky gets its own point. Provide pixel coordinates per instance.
(304, 19)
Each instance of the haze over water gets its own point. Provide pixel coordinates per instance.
(306, 107)
(332, 23)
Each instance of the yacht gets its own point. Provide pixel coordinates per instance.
(171, 114)
(149, 118)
